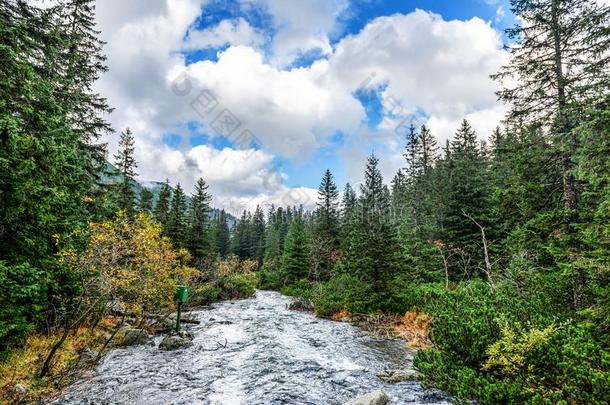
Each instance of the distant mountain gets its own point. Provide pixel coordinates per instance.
(112, 175)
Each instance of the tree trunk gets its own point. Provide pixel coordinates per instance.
(563, 126)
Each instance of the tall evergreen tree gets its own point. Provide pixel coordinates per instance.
(258, 236)
(296, 251)
(177, 218)
(372, 252)
(272, 249)
(145, 202)
(222, 234)
(374, 196)
(199, 240)
(327, 208)
(428, 151)
(162, 206)
(83, 63)
(468, 192)
(560, 59)
(126, 164)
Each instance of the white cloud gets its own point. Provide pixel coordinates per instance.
(301, 26)
(227, 32)
(429, 65)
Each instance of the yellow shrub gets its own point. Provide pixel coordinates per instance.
(507, 355)
(131, 262)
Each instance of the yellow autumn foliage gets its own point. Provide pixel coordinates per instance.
(130, 262)
(507, 356)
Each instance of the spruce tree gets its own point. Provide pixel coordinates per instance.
(468, 192)
(258, 236)
(560, 60)
(145, 202)
(327, 209)
(372, 252)
(272, 249)
(223, 235)
(199, 240)
(240, 243)
(125, 163)
(428, 151)
(296, 251)
(177, 218)
(161, 212)
(83, 63)
(412, 151)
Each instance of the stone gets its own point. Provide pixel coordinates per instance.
(175, 341)
(378, 397)
(134, 337)
(300, 304)
(163, 325)
(87, 355)
(20, 390)
(398, 375)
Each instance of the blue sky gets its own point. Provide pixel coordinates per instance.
(319, 83)
(350, 22)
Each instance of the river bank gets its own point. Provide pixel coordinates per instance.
(254, 351)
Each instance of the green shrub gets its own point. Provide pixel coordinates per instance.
(342, 292)
(22, 299)
(269, 280)
(301, 288)
(237, 285)
(204, 294)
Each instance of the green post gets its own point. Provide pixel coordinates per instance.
(182, 294)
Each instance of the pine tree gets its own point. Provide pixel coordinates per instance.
(559, 61)
(296, 251)
(412, 151)
(372, 252)
(374, 198)
(145, 203)
(327, 209)
(161, 212)
(258, 236)
(468, 192)
(272, 249)
(240, 243)
(199, 240)
(126, 164)
(177, 218)
(428, 151)
(83, 63)
(223, 235)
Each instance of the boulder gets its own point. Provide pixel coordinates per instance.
(87, 355)
(163, 325)
(134, 337)
(20, 390)
(398, 375)
(175, 341)
(300, 304)
(378, 397)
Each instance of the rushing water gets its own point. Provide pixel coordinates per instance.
(272, 356)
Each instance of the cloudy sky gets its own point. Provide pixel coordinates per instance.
(259, 97)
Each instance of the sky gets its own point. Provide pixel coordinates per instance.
(260, 97)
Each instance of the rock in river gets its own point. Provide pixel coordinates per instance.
(175, 341)
(378, 397)
(300, 304)
(134, 337)
(396, 376)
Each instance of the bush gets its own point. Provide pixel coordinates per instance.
(236, 286)
(301, 288)
(521, 353)
(22, 301)
(204, 294)
(269, 280)
(342, 292)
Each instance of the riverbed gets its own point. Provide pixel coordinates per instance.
(254, 351)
